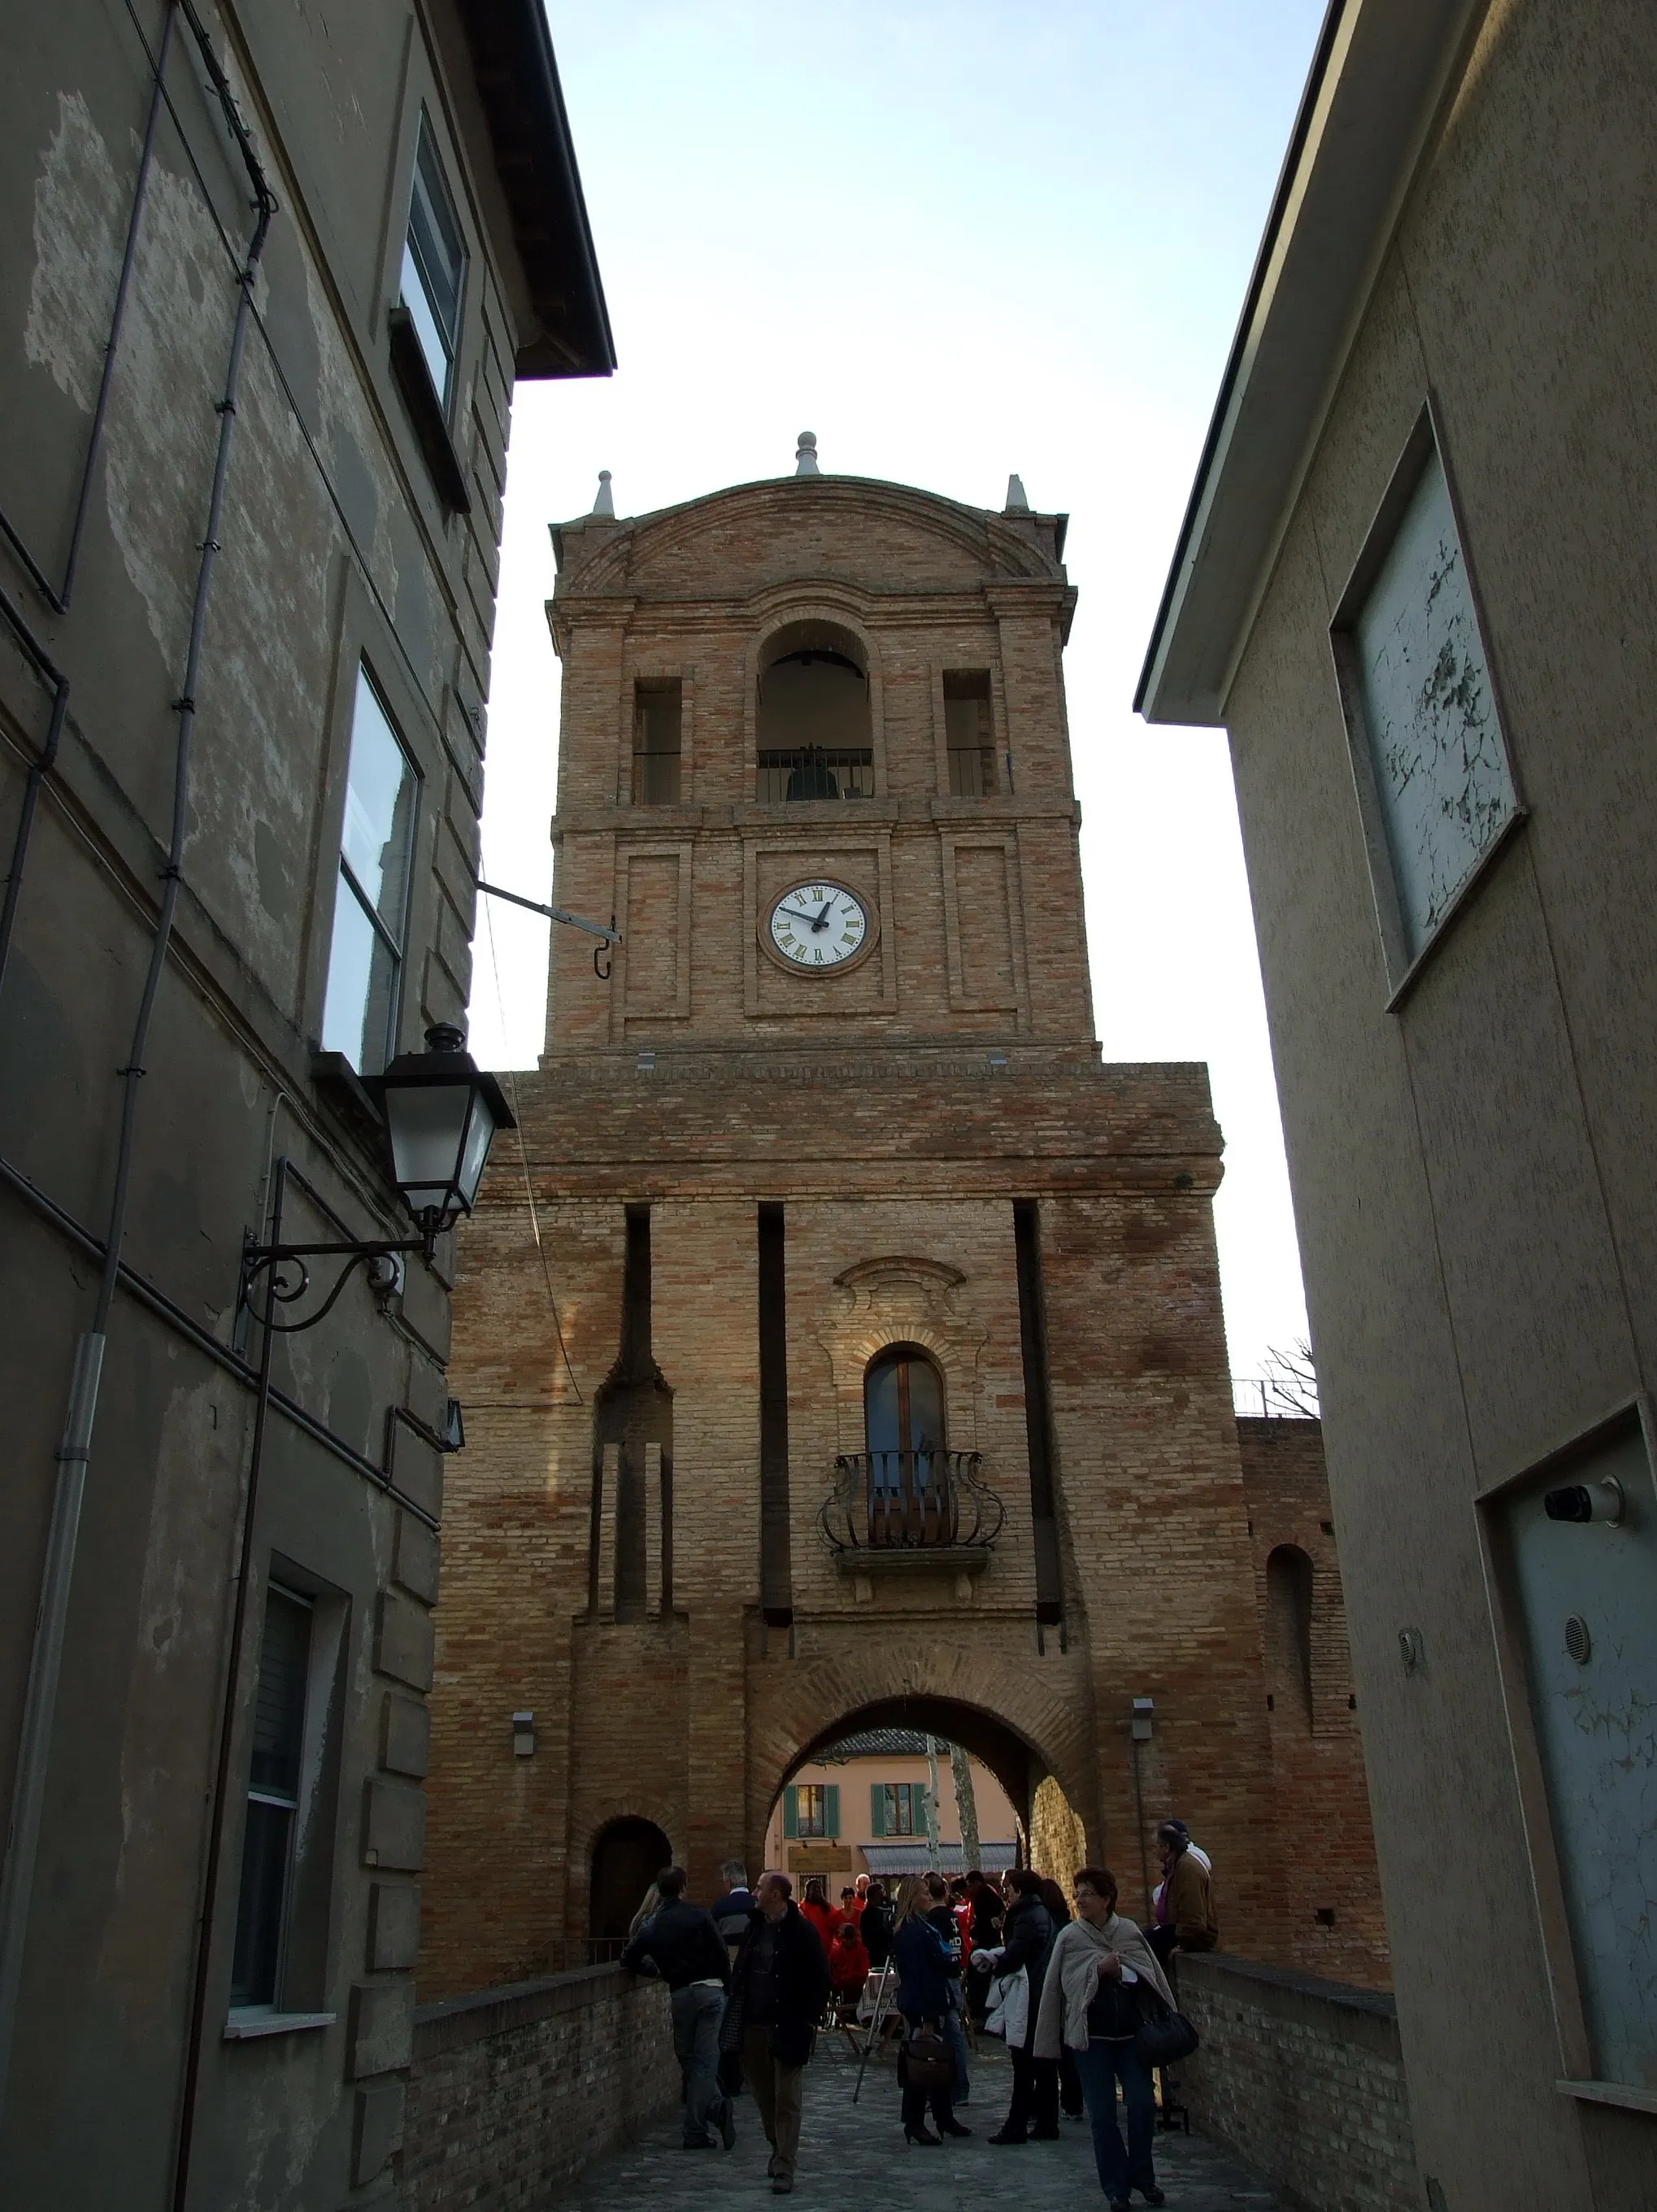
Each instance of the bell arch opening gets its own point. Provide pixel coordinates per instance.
(814, 726)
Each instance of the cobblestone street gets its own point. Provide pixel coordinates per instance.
(853, 2157)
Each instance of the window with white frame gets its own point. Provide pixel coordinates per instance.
(273, 1792)
(371, 902)
(1428, 752)
(433, 279)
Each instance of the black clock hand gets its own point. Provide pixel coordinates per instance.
(822, 921)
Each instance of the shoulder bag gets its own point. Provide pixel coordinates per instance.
(1165, 2036)
(923, 2060)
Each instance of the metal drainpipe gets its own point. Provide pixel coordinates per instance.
(46, 1658)
(40, 768)
(209, 1893)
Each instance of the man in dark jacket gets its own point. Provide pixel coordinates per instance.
(1028, 1938)
(780, 1985)
(733, 1908)
(680, 1943)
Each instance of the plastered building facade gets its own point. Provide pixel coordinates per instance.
(241, 540)
(1414, 587)
(844, 1347)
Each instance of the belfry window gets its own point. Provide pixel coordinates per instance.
(658, 720)
(969, 732)
(814, 725)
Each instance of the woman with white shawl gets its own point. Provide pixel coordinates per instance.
(1090, 2003)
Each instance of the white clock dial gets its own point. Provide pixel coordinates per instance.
(817, 926)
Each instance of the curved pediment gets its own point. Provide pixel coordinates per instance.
(858, 531)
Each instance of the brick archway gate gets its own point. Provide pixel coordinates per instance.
(1026, 1716)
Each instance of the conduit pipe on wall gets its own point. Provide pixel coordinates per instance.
(40, 768)
(74, 1453)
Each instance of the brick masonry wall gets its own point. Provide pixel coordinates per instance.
(1317, 1753)
(1304, 2079)
(513, 2091)
(701, 1080)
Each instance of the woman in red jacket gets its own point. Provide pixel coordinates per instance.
(826, 1918)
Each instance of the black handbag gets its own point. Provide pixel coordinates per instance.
(1165, 2039)
(923, 2060)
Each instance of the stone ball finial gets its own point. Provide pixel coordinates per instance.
(606, 502)
(805, 455)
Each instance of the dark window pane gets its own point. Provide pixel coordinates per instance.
(279, 1708)
(881, 1406)
(259, 1913)
(926, 1406)
(273, 1786)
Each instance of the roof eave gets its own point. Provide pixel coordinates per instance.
(516, 79)
(1378, 80)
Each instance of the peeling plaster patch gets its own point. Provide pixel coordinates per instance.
(162, 429)
(349, 432)
(80, 222)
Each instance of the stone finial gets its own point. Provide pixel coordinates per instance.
(1016, 503)
(606, 502)
(805, 455)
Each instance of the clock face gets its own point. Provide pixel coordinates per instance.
(817, 926)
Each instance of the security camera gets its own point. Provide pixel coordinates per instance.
(1586, 1501)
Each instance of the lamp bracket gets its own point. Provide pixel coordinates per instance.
(281, 1270)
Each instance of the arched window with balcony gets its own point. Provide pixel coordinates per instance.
(903, 1429)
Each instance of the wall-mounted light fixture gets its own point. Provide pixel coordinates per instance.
(1140, 1724)
(440, 1112)
(523, 1735)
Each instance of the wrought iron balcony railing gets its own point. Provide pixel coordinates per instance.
(910, 1501)
(812, 773)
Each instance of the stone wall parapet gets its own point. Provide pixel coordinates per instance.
(515, 2088)
(1304, 2080)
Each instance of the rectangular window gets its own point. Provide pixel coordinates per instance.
(969, 732)
(1584, 1590)
(1428, 750)
(365, 961)
(905, 1809)
(658, 714)
(433, 266)
(811, 1808)
(267, 1859)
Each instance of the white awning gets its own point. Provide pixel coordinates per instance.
(915, 1858)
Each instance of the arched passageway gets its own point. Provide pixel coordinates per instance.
(1017, 1764)
(627, 1855)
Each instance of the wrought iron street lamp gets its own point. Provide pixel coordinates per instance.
(441, 1112)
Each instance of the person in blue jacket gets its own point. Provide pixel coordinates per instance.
(924, 1968)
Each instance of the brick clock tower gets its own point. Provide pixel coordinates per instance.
(859, 1358)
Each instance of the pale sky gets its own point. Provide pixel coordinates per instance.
(953, 241)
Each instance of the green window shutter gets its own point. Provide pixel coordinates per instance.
(791, 1811)
(877, 1809)
(831, 1809)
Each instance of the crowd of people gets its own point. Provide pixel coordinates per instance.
(752, 1979)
